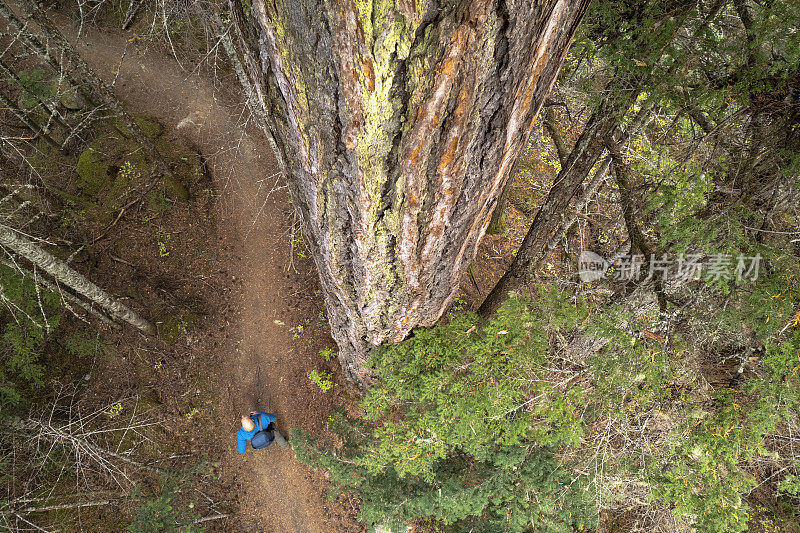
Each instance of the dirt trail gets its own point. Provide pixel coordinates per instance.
(275, 492)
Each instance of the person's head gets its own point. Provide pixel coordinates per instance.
(247, 423)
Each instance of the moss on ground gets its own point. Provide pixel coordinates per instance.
(175, 325)
(114, 164)
(93, 171)
(152, 128)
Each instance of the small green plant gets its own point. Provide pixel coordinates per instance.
(129, 172)
(81, 345)
(297, 331)
(35, 86)
(327, 354)
(163, 251)
(458, 304)
(321, 379)
(161, 512)
(114, 410)
(298, 247)
(32, 314)
(157, 201)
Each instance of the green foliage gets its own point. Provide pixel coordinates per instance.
(706, 475)
(29, 315)
(80, 344)
(448, 432)
(702, 477)
(321, 379)
(790, 485)
(327, 354)
(35, 86)
(162, 511)
(631, 374)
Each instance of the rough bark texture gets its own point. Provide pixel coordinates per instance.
(621, 93)
(398, 123)
(62, 273)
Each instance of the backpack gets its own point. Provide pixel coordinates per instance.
(263, 437)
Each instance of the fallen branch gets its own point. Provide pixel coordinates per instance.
(51, 432)
(75, 505)
(217, 516)
(64, 295)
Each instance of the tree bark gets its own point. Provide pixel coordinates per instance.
(550, 216)
(550, 125)
(62, 273)
(398, 123)
(497, 224)
(66, 297)
(621, 92)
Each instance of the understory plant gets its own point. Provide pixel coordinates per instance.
(450, 433)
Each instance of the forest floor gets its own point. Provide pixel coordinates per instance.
(252, 354)
(227, 272)
(250, 318)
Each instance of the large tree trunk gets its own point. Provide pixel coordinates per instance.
(398, 123)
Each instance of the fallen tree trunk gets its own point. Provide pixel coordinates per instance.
(63, 273)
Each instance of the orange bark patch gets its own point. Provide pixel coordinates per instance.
(413, 156)
(460, 37)
(369, 72)
(360, 32)
(446, 66)
(448, 155)
(537, 71)
(463, 102)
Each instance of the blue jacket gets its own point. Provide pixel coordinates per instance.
(243, 436)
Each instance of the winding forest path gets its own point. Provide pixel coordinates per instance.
(275, 492)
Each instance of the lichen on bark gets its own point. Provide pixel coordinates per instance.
(398, 122)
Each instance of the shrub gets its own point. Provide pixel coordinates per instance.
(449, 434)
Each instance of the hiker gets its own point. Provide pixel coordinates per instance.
(258, 428)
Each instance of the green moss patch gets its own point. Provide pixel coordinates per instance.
(94, 172)
(174, 326)
(114, 164)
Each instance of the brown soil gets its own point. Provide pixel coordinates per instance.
(251, 355)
